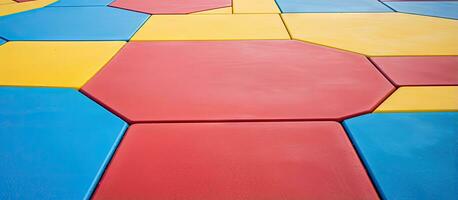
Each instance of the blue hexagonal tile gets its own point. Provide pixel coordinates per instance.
(72, 23)
(409, 155)
(314, 6)
(54, 143)
(446, 9)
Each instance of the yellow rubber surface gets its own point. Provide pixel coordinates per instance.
(255, 6)
(418, 99)
(377, 34)
(6, 2)
(12, 8)
(226, 10)
(53, 64)
(212, 27)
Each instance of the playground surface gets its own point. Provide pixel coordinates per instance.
(229, 99)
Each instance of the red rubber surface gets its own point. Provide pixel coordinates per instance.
(411, 71)
(170, 6)
(219, 161)
(237, 81)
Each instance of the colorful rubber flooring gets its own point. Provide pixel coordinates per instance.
(229, 99)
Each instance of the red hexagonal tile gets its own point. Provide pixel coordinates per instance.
(418, 70)
(237, 81)
(219, 161)
(170, 6)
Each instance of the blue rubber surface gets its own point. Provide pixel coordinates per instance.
(437, 9)
(82, 3)
(54, 143)
(72, 23)
(409, 155)
(2, 41)
(305, 6)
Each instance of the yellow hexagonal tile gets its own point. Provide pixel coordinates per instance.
(255, 6)
(12, 8)
(53, 64)
(225, 10)
(377, 34)
(6, 2)
(212, 27)
(421, 99)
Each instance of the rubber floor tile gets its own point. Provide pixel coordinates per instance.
(72, 23)
(437, 9)
(13, 8)
(2, 2)
(212, 27)
(237, 81)
(302, 160)
(54, 143)
(171, 6)
(53, 64)
(313, 6)
(421, 99)
(82, 3)
(418, 0)
(377, 34)
(415, 71)
(225, 10)
(255, 6)
(409, 155)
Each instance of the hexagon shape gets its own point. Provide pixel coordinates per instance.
(2, 2)
(53, 64)
(237, 81)
(419, 70)
(446, 9)
(255, 6)
(417, 0)
(225, 10)
(54, 143)
(377, 34)
(326, 6)
(17, 7)
(82, 3)
(423, 147)
(72, 23)
(227, 161)
(170, 6)
(422, 99)
(202, 27)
